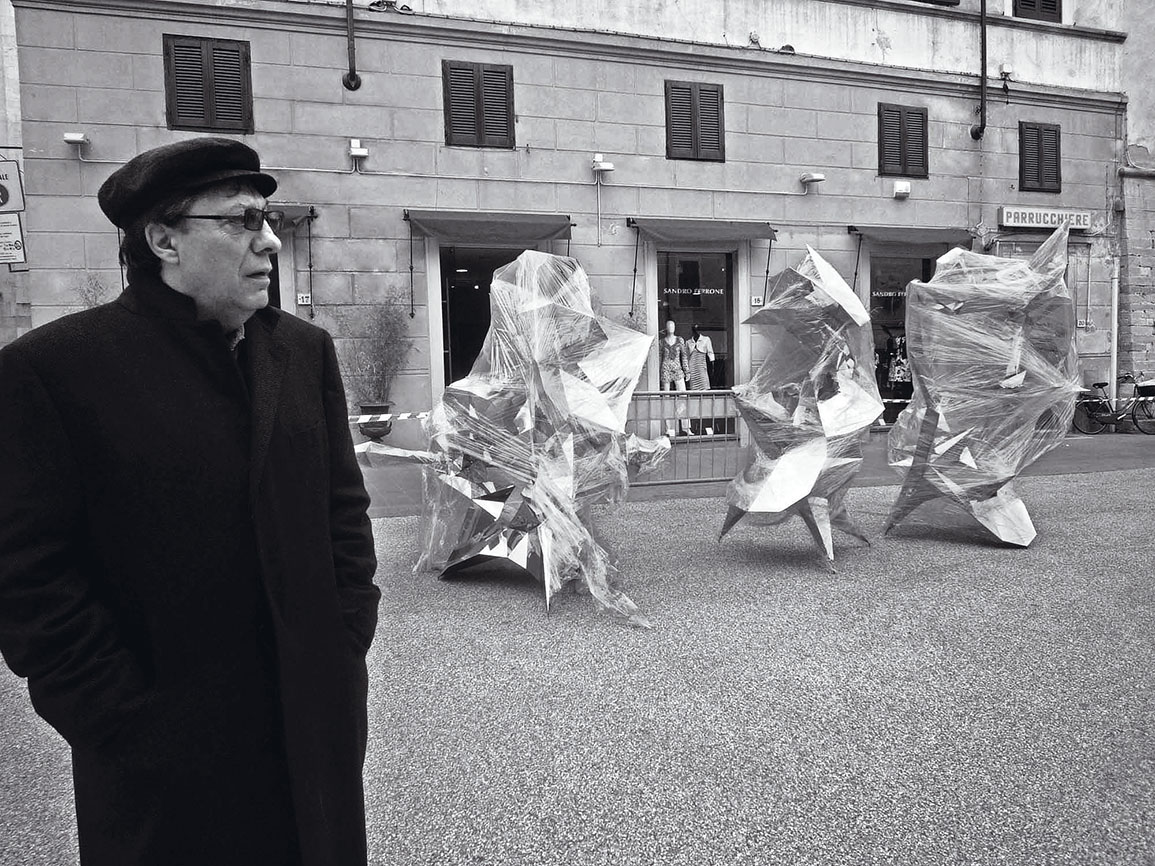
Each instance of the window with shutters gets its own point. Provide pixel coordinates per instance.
(208, 86)
(1040, 10)
(902, 141)
(695, 121)
(478, 104)
(1040, 158)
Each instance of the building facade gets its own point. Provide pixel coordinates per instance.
(680, 151)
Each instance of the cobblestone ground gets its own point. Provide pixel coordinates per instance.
(938, 700)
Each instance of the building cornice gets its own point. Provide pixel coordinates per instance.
(465, 33)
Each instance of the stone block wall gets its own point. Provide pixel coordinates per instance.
(574, 94)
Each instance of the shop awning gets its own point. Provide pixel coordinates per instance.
(481, 227)
(670, 230)
(913, 234)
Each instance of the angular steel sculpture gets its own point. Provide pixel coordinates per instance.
(810, 405)
(535, 434)
(991, 343)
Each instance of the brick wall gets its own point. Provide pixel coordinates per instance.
(1137, 278)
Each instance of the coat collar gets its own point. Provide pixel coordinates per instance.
(267, 348)
(149, 295)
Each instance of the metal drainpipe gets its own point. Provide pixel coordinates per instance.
(351, 79)
(980, 128)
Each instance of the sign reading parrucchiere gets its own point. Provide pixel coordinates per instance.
(1042, 217)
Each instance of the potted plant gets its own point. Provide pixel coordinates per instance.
(373, 358)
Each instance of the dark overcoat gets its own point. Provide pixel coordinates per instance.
(186, 580)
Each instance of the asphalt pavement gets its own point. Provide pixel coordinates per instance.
(940, 699)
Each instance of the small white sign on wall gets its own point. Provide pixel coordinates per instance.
(12, 250)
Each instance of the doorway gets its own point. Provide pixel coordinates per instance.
(466, 275)
(696, 290)
(889, 276)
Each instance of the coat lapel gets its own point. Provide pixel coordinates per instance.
(268, 359)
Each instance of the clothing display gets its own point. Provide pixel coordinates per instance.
(673, 361)
(700, 353)
(899, 368)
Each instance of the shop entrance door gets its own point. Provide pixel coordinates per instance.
(466, 274)
(889, 276)
(696, 290)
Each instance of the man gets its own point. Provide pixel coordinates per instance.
(186, 561)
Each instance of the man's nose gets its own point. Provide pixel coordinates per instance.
(266, 240)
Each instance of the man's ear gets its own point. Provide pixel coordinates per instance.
(163, 241)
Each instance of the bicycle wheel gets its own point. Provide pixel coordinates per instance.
(1144, 416)
(1085, 420)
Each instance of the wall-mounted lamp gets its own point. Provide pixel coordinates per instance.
(1005, 73)
(78, 138)
(902, 189)
(809, 179)
(601, 168)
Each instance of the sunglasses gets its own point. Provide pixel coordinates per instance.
(253, 218)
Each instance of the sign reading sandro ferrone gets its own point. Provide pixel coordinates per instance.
(1042, 217)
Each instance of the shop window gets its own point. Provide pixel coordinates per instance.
(208, 84)
(1040, 157)
(889, 276)
(696, 291)
(902, 141)
(695, 121)
(478, 104)
(1040, 10)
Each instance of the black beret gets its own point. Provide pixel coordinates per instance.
(178, 169)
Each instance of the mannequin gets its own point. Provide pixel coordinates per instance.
(700, 351)
(673, 364)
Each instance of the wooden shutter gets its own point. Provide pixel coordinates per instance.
(710, 122)
(461, 108)
(478, 104)
(1041, 10)
(229, 101)
(1040, 157)
(679, 120)
(914, 144)
(187, 97)
(695, 121)
(208, 84)
(497, 105)
(902, 141)
(890, 139)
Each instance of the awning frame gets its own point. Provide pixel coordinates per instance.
(690, 230)
(489, 227)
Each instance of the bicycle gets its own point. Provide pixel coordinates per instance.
(1093, 412)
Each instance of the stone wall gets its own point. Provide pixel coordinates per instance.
(575, 94)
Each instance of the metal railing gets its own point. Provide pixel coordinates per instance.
(704, 428)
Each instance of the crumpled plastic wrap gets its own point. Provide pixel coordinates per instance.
(991, 343)
(809, 406)
(535, 434)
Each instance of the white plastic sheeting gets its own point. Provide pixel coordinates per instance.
(809, 406)
(991, 343)
(534, 435)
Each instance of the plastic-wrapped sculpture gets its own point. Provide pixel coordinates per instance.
(810, 405)
(995, 370)
(535, 434)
